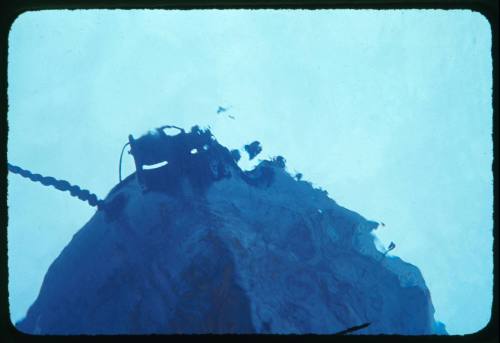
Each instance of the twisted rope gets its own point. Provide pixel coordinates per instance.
(61, 185)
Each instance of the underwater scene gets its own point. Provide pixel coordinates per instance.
(250, 172)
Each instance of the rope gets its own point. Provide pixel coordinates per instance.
(120, 165)
(61, 185)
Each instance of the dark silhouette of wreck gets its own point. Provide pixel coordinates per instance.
(195, 158)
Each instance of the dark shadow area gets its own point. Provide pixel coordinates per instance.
(253, 149)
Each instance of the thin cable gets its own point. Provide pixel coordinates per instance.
(120, 164)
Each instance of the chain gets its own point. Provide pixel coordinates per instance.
(61, 185)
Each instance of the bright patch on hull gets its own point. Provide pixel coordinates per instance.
(154, 166)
